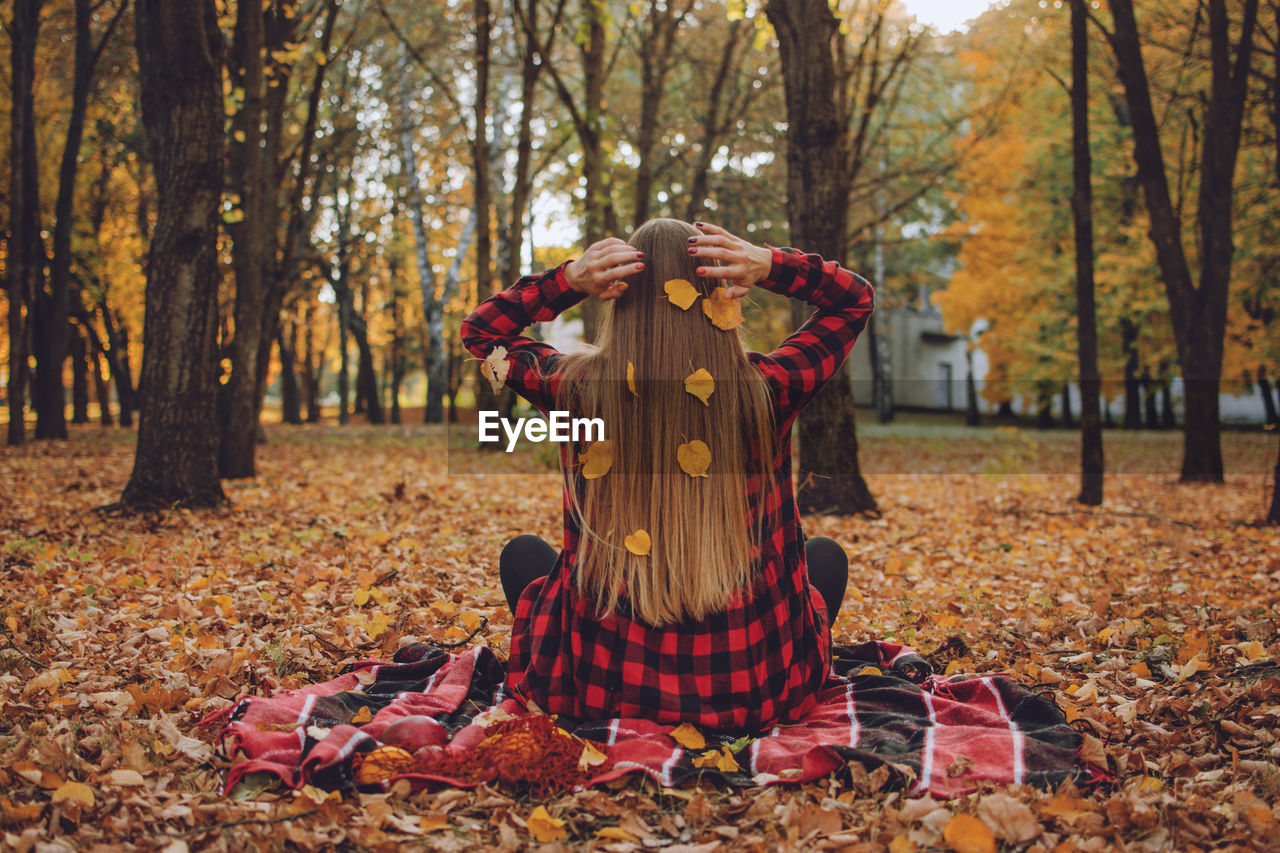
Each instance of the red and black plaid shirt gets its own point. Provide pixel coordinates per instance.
(761, 661)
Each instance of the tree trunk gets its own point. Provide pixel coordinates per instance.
(101, 390)
(25, 257)
(1044, 417)
(817, 204)
(1264, 389)
(237, 399)
(1150, 399)
(971, 417)
(117, 353)
(179, 69)
(366, 375)
(312, 371)
(1198, 314)
(1132, 395)
(79, 376)
(1091, 459)
(290, 398)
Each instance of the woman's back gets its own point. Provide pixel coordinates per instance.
(714, 622)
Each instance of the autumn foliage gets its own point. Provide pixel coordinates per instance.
(1153, 623)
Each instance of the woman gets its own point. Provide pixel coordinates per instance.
(682, 591)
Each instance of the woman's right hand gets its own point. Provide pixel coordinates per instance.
(746, 263)
(600, 270)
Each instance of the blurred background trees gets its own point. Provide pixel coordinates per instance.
(387, 164)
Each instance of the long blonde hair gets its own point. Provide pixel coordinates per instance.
(703, 532)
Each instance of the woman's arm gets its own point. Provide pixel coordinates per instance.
(804, 362)
(500, 319)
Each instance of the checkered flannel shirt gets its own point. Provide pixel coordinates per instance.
(763, 660)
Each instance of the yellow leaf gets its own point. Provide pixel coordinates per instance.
(638, 543)
(377, 625)
(544, 827)
(597, 459)
(700, 384)
(721, 759)
(495, 368)
(724, 311)
(364, 715)
(631, 379)
(902, 844)
(77, 792)
(591, 757)
(360, 597)
(681, 293)
(617, 833)
(694, 458)
(688, 737)
(966, 834)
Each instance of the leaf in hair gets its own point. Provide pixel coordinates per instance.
(495, 368)
(597, 460)
(681, 293)
(694, 458)
(638, 543)
(631, 379)
(724, 311)
(700, 384)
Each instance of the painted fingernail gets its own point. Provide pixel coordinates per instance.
(699, 224)
(692, 250)
(693, 239)
(701, 271)
(639, 254)
(639, 266)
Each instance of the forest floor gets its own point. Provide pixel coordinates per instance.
(1154, 621)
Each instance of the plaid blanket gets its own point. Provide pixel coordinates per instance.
(883, 706)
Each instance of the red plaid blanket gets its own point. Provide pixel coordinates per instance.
(882, 706)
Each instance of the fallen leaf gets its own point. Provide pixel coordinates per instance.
(125, 778)
(1010, 819)
(364, 715)
(721, 759)
(597, 459)
(966, 834)
(77, 792)
(724, 311)
(638, 543)
(700, 384)
(495, 368)
(591, 757)
(544, 827)
(694, 458)
(681, 293)
(688, 736)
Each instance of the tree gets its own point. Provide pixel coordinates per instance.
(1091, 460)
(817, 207)
(25, 257)
(179, 70)
(1198, 313)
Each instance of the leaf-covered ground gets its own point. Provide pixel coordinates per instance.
(1154, 622)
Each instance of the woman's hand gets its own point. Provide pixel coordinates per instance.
(746, 263)
(600, 270)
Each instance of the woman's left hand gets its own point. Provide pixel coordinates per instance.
(745, 262)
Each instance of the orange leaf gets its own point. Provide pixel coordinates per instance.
(631, 379)
(724, 311)
(966, 834)
(700, 384)
(597, 459)
(688, 736)
(544, 827)
(77, 792)
(638, 543)
(694, 458)
(681, 293)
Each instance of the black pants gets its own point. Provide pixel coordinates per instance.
(527, 557)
